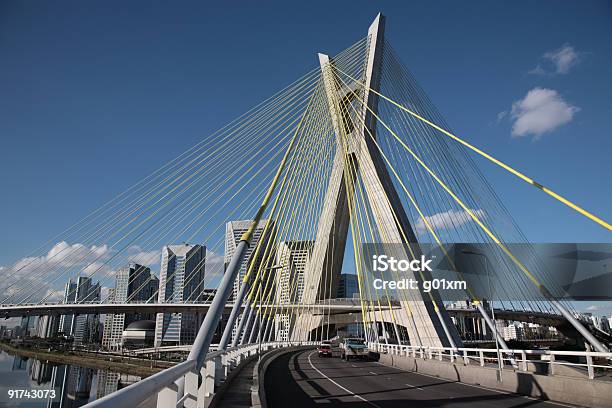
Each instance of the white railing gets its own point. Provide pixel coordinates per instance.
(182, 386)
(523, 360)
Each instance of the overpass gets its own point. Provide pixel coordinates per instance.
(337, 312)
(327, 307)
(20, 310)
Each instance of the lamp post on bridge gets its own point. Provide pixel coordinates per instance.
(494, 326)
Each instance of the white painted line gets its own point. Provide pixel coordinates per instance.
(339, 386)
(414, 386)
(372, 372)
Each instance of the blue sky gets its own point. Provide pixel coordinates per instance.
(95, 96)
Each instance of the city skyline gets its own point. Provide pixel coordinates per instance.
(555, 67)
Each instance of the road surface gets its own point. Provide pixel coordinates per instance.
(302, 379)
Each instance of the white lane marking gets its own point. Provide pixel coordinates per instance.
(353, 365)
(481, 387)
(372, 372)
(339, 386)
(414, 386)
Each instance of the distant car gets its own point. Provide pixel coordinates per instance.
(334, 341)
(353, 348)
(324, 350)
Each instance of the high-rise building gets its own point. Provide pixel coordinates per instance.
(86, 325)
(65, 325)
(181, 280)
(134, 284)
(28, 326)
(471, 327)
(233, 232)
(291, 260)
(83, 328)
(47, 326)
(512, 332)
(348, 286)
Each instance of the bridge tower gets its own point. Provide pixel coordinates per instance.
(427, 324)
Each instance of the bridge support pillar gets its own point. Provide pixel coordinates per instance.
(191, 390)
(207, 388)
(397, 333)
(431, 325)
(168, 397)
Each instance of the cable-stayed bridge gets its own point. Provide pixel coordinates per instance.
(352, 158)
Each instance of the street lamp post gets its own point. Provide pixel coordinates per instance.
(494, 328)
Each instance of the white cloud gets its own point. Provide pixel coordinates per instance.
(592, 308)
(448, 220)
(148, 258)
(501, 115)
(540, 111)
(98, 269)
(538, 70)
(44, 276)
(53, 295)
(68, 255)
(559, 61)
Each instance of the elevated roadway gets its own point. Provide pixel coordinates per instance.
(37, 309)
(309, 381)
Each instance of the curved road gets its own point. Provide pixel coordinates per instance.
(302, 379)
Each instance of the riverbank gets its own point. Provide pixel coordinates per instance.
(117, 364)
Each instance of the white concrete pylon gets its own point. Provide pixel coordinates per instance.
(428, 326)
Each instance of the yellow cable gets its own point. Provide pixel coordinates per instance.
(496, 161)
(517, 262)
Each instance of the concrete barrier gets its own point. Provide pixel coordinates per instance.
(258, 390)
(568, 389)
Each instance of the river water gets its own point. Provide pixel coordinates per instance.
(74, 386)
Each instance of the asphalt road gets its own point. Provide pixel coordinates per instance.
(303, 379)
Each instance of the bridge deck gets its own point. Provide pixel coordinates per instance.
(311, 380)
